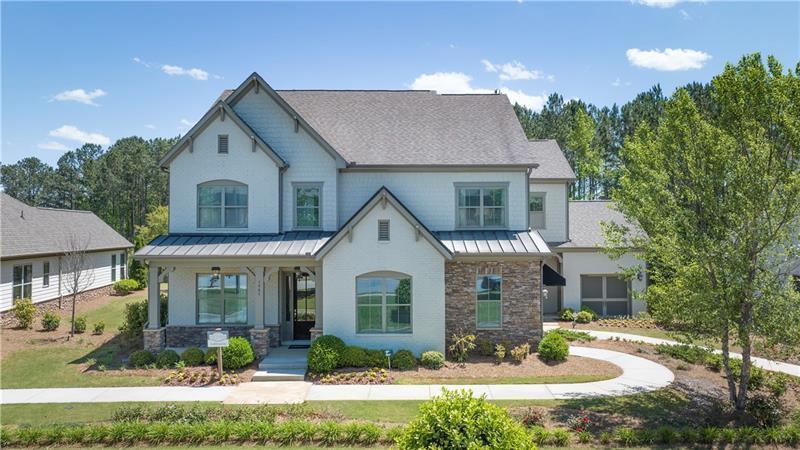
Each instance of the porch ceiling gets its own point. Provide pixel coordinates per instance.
(290, 244)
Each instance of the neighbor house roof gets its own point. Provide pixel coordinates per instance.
(31, 231)
(290, 244)
(408, 128)
(552, 163)
(585, 219)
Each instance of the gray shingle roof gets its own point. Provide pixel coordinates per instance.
(585, 218)
(29, 231)
(552, 163)
(291, 244)
(493, 242)
(414, 127)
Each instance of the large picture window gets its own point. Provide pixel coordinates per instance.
(488, 289)
(22, 283)
(383, 304)
(221, 298)
(607, 295)
(222, 205)
(307, 200)
(481, 206)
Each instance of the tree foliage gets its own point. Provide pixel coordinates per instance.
(715, 184)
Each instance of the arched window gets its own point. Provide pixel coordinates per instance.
(222, 204)
(383, 303)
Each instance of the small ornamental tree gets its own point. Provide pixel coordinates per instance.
(718, 195)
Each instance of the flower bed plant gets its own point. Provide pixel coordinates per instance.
(200, 377)
(372, 376)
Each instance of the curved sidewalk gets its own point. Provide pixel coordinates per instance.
(639, 375)
(767, 364)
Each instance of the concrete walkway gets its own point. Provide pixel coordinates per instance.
(639, 375)
(767, 364)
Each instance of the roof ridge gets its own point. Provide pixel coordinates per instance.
(355, 90)
(47, 208)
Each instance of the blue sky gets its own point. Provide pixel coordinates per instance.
(77, 72)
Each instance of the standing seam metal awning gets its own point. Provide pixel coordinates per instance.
(496, 243)
(291, 244)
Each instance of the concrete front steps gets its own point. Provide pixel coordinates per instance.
(283, 364)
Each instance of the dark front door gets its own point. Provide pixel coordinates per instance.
(305, 306)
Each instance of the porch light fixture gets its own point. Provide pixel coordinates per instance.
(215, 271)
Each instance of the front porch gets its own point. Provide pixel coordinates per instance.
(269, 304)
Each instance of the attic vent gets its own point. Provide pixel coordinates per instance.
(222, 143)
(383, 230)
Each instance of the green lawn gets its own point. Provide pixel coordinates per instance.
(58, 365)
(649, 332)
(542, 379)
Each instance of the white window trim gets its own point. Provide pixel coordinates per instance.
(383, 276)
(482, 185)
(222, 184)
(222, 299)
(45, 274)
(304, 185)
(604, 299)
(22, 283)
(543, 195)
(477, 302)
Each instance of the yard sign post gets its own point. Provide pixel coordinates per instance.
(218, 338)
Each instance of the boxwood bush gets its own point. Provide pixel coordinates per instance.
(456, 419)
(50, 321)
(583, 317)
(141, 358)
(432, 360)
(404, 360)
(237, 354)
(553, 347)
(166, 359)
(377, 358)
(80, 324)
(322, 359)
(126, 286)
(193, 357)
(24, 312)
(566, 315)
(353, 356)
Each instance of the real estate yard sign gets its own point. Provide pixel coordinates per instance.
(219, 339)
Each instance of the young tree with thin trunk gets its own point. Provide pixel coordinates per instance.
(719, 199)
(77, 271)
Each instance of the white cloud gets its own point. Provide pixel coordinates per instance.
(187, 122)
(138, 60)
(670, 59)
(197, 74)
(657, 3)
(685, 15)
(461, 83)
(80, 96)
(150, 126)
(53, 145)
(514, 70)
(72, 133)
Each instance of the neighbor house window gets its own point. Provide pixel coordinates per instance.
(22, 282)
(488, 289)
(308, 201)
(481, 206)
(536, 209)
(114, 267)
(221, 298)
(222, 143)
(222, 204)
(46, 274)
(123, 262)
(383, 304)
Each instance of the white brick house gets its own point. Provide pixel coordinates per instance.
(298, 213)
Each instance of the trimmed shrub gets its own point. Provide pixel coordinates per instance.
(432, 360)
(353, 356)
(24, 312)
(485, 347)
(50, 321)
(404, 360)
(583, 317)
(136, 318)
(553, 347)
(461, 346)
(520, 352)
(141, 358)
(566, 315)
(322, 359)
(332, 342)
(237, 354)
(166, 359)
(456, 419)
(80, 324)
(377, 358)
(572, 335)
(193, 357)
(591, 312)
(99, 327)
(126, 286)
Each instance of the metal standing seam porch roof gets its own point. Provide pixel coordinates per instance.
(290, 244)
(495, 243)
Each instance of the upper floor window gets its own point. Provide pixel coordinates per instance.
(22, 282)
(536, 210)
(308, 205)
(383, 304)
(222, 143)
(222, 204)
(481, 206)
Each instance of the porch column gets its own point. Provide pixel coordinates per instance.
(318, 296)
(153, 335)
(259, 336)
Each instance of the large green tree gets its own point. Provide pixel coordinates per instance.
(719, 198)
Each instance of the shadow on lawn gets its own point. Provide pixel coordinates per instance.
(111, 355)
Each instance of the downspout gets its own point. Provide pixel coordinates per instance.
(280, 198)
(60, 294)
(528, 197)
(566, 211)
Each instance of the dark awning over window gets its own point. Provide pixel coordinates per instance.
(552, 278)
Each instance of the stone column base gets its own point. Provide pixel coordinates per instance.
(259, 339)
(315, 333)
(154, 339)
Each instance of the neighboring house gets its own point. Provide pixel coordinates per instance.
(32, 246)
(391, 219)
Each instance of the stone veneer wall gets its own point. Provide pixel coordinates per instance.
(189, 336)
(521, 300)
